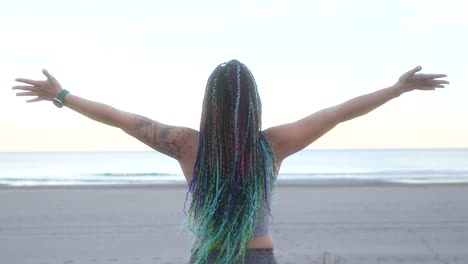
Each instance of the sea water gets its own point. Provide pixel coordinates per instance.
(409, 166)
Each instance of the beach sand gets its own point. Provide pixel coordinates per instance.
(312, 224)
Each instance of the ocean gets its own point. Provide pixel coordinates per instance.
(407, 166)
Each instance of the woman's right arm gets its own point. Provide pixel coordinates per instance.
(176, 142)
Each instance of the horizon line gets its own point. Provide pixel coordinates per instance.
(103, 151)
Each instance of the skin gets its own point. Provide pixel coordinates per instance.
(181, 143)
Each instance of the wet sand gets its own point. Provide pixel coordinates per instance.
(312, 224)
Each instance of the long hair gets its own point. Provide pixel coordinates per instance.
(234, 173)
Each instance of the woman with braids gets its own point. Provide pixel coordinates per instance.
(231, 164)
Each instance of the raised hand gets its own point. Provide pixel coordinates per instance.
(412, 80)
(43, 90)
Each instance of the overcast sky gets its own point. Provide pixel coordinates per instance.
(154, 57)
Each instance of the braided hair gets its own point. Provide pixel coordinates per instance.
(234, 173)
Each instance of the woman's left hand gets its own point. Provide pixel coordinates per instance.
(412, 80)
(43, 90)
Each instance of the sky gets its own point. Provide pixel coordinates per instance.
(153, 58)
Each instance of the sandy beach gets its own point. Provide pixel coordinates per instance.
(312, 224)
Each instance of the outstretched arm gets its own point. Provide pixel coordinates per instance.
(176, 142)
(292, 137)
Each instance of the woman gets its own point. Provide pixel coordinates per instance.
(230, 164)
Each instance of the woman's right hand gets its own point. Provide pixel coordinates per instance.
(412, 80)
(43, 90)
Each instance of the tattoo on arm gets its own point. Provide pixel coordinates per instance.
(142, 128)
(163, 138)
(166, 145)
(143, 122)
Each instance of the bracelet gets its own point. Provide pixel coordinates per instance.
(59, 99)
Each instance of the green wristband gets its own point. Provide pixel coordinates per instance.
(58, 100)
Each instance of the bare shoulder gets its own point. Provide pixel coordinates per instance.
(290, 138)
(274, 135)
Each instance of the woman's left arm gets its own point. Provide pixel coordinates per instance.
(409, 81)
(289, 138)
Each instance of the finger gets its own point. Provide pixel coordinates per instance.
(24, 87)
(409, 73)
(413, 71)
(48, 75)
(28, 81)
(37, 99)
(435, 82)
(442, 81)
(431, 76)
(426, 88)
(431, 87)
(26, 94)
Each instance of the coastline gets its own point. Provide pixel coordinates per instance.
(287, 183)
(357, 223)
(317, 167)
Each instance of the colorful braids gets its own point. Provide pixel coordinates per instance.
(234, 173)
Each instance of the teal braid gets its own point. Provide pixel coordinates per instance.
(234, 173)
